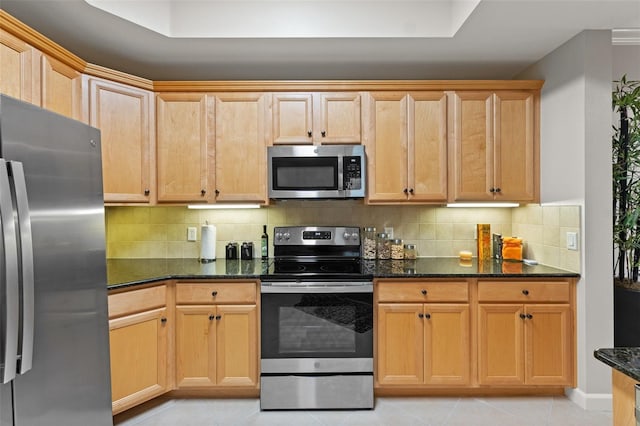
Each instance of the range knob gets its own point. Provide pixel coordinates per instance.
(278, 236)
(286, 236)
(346, 235)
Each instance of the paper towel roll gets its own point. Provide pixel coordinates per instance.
(208, 246)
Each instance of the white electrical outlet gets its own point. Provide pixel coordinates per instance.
(192, 233)
(572, 241)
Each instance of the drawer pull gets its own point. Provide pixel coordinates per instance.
(523, 316)
(424, 292)
(212, 317)
(214, 293)
(525, 292)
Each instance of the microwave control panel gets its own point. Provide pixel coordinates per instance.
(352, 172)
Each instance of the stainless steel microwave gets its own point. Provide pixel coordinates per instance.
(316, 171)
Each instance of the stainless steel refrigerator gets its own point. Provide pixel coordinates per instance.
(54, 337)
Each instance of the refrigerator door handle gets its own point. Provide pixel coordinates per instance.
(9, 257)
(26, 257)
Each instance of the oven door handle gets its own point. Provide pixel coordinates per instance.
(316, 287)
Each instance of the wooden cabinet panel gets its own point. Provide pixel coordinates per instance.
(549, 352)
(213, 293)
(427, 146)
(501, 345)
(400, 344)
(624, 399)
(185, 152)
(292, 118)
(140, 300)
(427, 291)
(386, 146)
(237, 347)
(195, 346)
(523, 291)
(125, 117)
(62, 90)
(447, 344)
(19, 70)
(139, 356)
(240, 151)
(337, 118)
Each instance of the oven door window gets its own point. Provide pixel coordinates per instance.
(317, 325)
(305, 174)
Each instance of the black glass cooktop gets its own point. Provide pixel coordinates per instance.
(313, 268)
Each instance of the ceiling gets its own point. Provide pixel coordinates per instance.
(499, 39)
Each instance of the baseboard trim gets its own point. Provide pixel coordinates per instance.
(590, 401)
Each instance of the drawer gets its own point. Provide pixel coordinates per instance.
(133, 301)
(523, 291)
(199, 293)
(428, 291)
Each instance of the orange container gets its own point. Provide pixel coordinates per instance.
(512, 248)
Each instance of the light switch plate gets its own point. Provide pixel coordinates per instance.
(192, 233)
(389, 231)
(572, 240)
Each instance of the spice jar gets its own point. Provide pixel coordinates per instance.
(383, 246)
(369, 243)
(397, 251)
(410, 251)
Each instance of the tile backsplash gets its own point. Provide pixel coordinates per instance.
(159, 232)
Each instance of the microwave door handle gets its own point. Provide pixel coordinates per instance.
(26, 255)
(340, 173)
(9, 258)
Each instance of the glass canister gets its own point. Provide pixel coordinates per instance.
(369, 243)
(397, 250)
(410, 251)
(383, 246)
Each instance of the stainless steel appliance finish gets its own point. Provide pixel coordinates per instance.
(54, 339)
(316, 171)
(316, 322)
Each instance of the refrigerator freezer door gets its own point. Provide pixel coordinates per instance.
(69, 383)
(6, 411)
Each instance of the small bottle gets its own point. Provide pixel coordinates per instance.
(264, 243)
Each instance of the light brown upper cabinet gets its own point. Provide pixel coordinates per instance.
(19, 69)
(494, 148)
(406, 145)
(185, 147)
(125, 117)
(316, 118)
(62, 90)
(242, 133)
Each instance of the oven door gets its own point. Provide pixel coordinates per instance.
(313, 320)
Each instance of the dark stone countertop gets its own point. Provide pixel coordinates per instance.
(625, 360)
(130, 272)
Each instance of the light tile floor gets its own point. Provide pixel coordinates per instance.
(494, 411)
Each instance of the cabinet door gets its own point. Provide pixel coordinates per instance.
(471, 165)
(427, 146)
(62, 90)
(185, 156)
(400, 344)
(337, 118)
(124, 116)
(515, 159)
(446, 344)
(386, 144)
(138, 348)
(195, 346)
(548, 345)
(292, 118)
(237, 346)
(501, 345)
(19, 70)
(241, 140)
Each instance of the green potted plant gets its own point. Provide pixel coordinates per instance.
(626, 212)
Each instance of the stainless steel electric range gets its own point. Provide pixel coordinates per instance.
(316, 322)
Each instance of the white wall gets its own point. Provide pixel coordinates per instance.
(575, 153)
(626, 60)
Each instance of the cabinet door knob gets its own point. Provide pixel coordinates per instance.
(218, 317)
(410, 190)
(427, 316)
(529, 316)
(523, 316)
(203, 191)
(217, 192)
(525, 292)
(212, 317)
(498, 190)
(424, 292)
(309, 133)
(214, 293)
(492, 190)
(147, 192)
(323, 133)
(406, 191)
(420, 315)
(163, 320)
